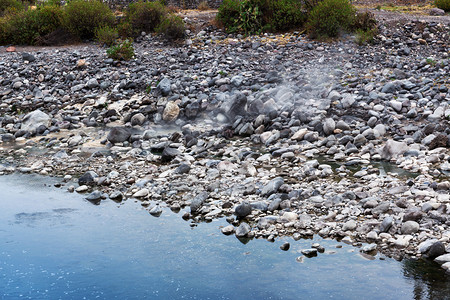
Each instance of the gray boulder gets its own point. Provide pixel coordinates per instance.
(197, 202)
(118, 135)
(392, 149)
(243, 230)
(243, 210)
(34, 119)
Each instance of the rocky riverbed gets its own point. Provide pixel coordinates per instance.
(278, 133)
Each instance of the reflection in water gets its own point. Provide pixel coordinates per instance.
(430, 281)
(55, 245)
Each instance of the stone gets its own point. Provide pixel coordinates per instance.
(442, 259)
(168, 154)
(392, 149)
(369, 248)
(141, 193)
(137, 119)
(289, 216)
(88, 178)
(410, 227)
(235, 106)
(118, 135)
(350, 225)
(155, 211)
(171, 112)
(28, 57)
(436, 249)
(386, 224)
(227, 230)
(92, 83)
(328, 126)
(243, 210)
(436, 12)
(272, 186)
(285, 246)
(389, 87)
(164, 86)
(309, 252)
(34, 119)
(183, 169)
(198, 201)
(94, 196)
(243, 230)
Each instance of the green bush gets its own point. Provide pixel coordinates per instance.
(172, 27)
(443, 4)
(365, 21)
(82, 17)
(364, 36)
(10, 5)
(329, 17)
(121, 51)
(145, 16)
(106, 35)
(27, 26)
(256, 16)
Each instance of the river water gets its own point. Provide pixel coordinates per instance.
(56, 245)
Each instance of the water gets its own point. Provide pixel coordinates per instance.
(55, 245)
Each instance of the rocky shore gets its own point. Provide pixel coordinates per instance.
(280, 134)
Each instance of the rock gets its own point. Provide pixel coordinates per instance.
(272, 186)
(198, 201)
(243, 230)
(88, 178)
(171, 112)
(289, 216)
(309, 252)
(164, 86)
(92, 83)
(285, 246)
(410, 227)
(227, 230)
(141, 193)
(392, 149)
(436, 12)
(94, 196)
(328, 126)
(118, 135)
(369, 248)
(137, 119)
(28, 57)
(386, 224)
(116, 196)
(389, 87)
(243, 209)
(235, 106)
(349, 225)
(168, 154)
(156, 211)
(11, 49)
(34, 119)
(436, 249)
(183, 169)
(442, 259)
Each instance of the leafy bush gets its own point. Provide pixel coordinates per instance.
(4, 31)
(443, 4)
(82, 17)
(121, 51)
(9, 5)
(27, 26)
(172, 27)
(124, 29)
(256, 16)
(106, 35)
(329, 17)
(145, 16)
(364, 21)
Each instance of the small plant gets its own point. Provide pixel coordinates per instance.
(431, 61)
(145, 16)
(124, 29)
(330, 17)
(364, 36)
(106, 35)
(203, 6)
(121, 51)
(82, 17)
(172, 27)
(443, 4)
(9, 6)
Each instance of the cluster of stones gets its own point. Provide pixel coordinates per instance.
(277, 133)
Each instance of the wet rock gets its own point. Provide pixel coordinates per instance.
(285, 246)
(369, 248)
(155, 211)
(227, 230)
(436, 249)
(243, 230)
(94, 196)
(88, 178)
(309, 252)
(198, 201)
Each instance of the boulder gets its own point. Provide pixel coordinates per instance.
(118, 135)
(392, 149)
(34, 119)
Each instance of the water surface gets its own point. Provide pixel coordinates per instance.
(56, 245)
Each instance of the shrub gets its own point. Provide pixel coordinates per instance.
(4, 31)
(443, 4)
(364, 36)
(365, 21)
(145, 16)
(255, 16)
(329, 17)
(82, 17)
(106, 35)
(124, 29)
(10, 5)
(172, 27)
(121, 51)
(27, 26)
(203, 6)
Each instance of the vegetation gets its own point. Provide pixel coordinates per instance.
(256, 16)
(443, 4)
(330, 17)
(9, 6)
(172, 27)
(121, 51)
(203, 6)
(82, 17)
(364, 36)
(146, 16)
(106, 35)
